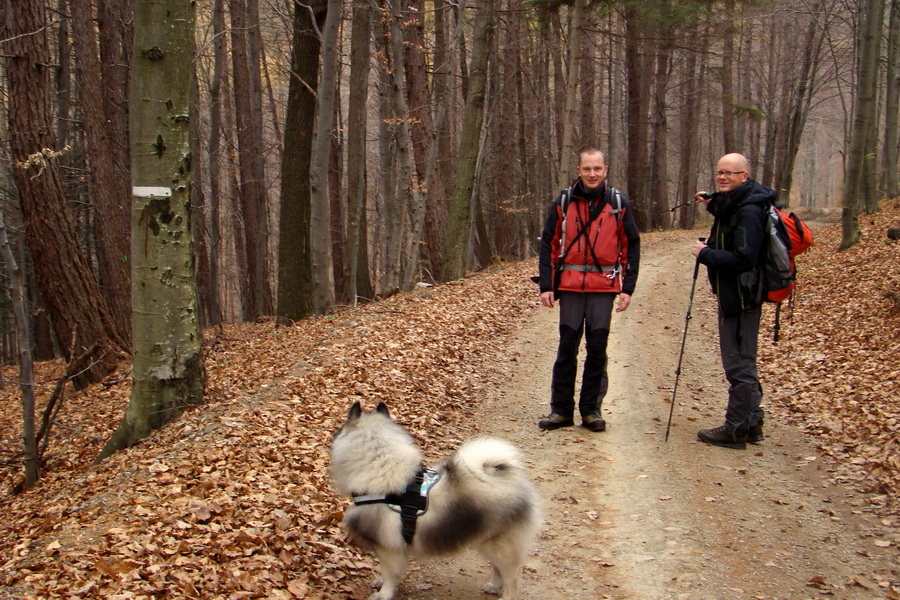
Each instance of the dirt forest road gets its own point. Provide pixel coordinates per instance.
(629, 515)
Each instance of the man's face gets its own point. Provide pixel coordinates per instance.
(592, 171)
(730, 174)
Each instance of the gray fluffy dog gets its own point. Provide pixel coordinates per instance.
(482, 498)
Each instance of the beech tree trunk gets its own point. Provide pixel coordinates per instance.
(890, 177)
(250, 185)
(168, 369)
(357, 262)
(863, 118)
(212, 300)
(295, 280)
(456, 249)
(320, 214)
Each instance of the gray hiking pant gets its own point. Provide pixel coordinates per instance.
(590, 312)
(738, 337)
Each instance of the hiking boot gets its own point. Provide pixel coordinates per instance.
(755, 434)
(593, 422)
(723, 436)
(555, 421)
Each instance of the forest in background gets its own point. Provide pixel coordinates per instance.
(339, 151)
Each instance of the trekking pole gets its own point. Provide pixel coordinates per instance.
(687, 319)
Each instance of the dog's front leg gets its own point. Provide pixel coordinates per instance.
(392, 564)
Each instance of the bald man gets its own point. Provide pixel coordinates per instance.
(733, 254)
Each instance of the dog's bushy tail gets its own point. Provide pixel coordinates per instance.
(490, 458)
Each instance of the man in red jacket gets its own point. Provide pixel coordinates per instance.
(590, 250)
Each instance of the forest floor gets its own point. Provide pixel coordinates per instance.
(233, 499)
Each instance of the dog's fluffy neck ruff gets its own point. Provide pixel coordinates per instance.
(376, 461)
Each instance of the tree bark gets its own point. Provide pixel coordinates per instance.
(427, 241)
(320, 217)
(63, 273)
(255, 56)
(863, 118)
(357, 262)
(659, 181)
(111, 218)
(31, 460)
(890, 186)
(456, 248)
(168, 369)
(638, 102)
(250, 186)
(570, 114)
(212, 300)
(728, 138)
(295, 279)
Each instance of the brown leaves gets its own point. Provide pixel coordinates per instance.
(836, 369)
(234, 498)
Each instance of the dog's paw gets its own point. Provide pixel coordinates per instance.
(381, 596)
(493, 589)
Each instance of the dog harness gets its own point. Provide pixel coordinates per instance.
(412, 503)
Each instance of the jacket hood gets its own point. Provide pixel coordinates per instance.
(749, 192)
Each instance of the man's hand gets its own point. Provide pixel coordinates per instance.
(547, 299)
(624, 302)
(698, 246)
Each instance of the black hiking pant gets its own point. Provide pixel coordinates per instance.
(738, 336)
(590, 312)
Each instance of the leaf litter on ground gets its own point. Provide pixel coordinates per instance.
(233, 499)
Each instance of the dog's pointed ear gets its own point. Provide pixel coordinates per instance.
(355, 411)
(383, 409)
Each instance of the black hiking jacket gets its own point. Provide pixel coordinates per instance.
(736, 246)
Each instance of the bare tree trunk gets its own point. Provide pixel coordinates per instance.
(863, 119)
(336, 199)
(410, 186)
(115, 20)
(213, 296)
(250, 196)
(460, 203)
(32, 461)
(255, 56)
(392, 202)
(198, 210)
(659, 181)
(687, 174)
(111, 217)
(168, 369)
(63, 272)
(427, 241)
(295, 279)
(890, 186)
(800, 98)
(567, 151)
(63, 77)
(320, 217)
(729, 144)
(638, 103)
(357, 262)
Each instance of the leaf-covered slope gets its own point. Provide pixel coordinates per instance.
(233, 499)
(837, 368)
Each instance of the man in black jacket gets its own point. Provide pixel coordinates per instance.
(733, 255)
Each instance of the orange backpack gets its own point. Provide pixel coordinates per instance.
(788, 236)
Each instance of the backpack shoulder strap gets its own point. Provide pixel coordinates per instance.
(617, 195)
(564, 197)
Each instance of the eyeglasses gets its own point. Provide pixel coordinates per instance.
(728, 173)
